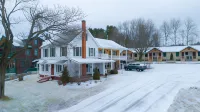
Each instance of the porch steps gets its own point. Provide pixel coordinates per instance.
(45, 79)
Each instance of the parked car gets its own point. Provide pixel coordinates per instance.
(137, 67)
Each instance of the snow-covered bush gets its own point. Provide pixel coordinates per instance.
(21, 77)
(114, 71)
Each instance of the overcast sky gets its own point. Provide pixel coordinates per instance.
(111, 12)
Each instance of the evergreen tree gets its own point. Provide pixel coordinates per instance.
(96, 75)
(65, 76)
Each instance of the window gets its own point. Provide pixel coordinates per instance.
(159, 54)
(164, 54)
(46, 67)
(135, 55)
(146, 55)
(186, 53)
(45, 52)
(77, 51)
(182, 53)
(22, 64)
(28, 52)
(63, 51)
(177, 54)
(35, 52)
(150, 54)
(35, 42)
(91, 51)
(114, 53)
(198, 53)
(154, 54)
(59, 68)
(52, 52)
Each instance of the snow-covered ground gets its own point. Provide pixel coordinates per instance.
(30, 96)
(151, 91)
(187, 100)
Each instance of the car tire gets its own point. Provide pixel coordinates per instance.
(137, 70)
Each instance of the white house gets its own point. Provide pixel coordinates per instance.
(81, 54)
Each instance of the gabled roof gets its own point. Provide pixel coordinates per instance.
(171, 48)
(103, 43)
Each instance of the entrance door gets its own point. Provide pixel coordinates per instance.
(52, 69)
(188, 58)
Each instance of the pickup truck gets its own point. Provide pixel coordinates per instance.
(134, 67)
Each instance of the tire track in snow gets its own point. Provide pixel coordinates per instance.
(109, 104)
(163, 96)
(106, 95)
(139, 100)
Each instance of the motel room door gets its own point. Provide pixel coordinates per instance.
(52, 69)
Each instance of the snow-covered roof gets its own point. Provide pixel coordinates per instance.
(60, 39)
(172, 48)
(90, 60)
(17, 42)
(103, 43)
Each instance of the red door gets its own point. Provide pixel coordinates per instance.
(52, 69)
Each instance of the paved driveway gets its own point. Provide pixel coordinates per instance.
(149, 91)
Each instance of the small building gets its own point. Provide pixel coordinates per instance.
(171, 53)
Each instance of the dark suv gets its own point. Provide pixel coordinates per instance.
(134, 67)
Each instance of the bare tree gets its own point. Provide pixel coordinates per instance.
(189, 31)
(166, 31)
(175, 25)
(140, 35)
(43, 22)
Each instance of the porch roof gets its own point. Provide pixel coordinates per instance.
(90, 60)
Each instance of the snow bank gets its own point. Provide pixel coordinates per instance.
(187, 100)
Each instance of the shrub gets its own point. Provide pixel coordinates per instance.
(96, 75)
(21, 77)
(115, 71)
(65, 76)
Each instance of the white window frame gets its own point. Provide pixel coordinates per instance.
(44, 52)
(61, 51)
(46, 67)
(75, 51)
(59, 68)
(52, 52)
(91, 52)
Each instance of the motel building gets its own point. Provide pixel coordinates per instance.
(81, 54)
(161, 54)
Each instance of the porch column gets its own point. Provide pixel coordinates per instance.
(111, 59)
(79, 72)
(103, 68)
(126, 56)
(92, 70)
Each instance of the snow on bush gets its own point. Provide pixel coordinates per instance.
(187, 100)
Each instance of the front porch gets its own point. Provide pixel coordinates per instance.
(189, 54)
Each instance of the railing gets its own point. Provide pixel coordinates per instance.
(103, 56)
(114, 57)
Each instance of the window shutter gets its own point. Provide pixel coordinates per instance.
(94, 51)
(89, 51)
(74, 51)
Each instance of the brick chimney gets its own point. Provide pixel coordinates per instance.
(84, 46)
(83, 39)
